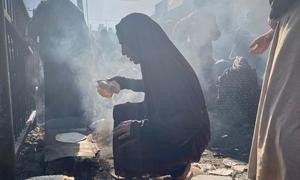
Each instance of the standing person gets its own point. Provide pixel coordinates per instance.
(276, 147)
(170, 129)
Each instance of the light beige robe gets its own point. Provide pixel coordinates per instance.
(275, 153)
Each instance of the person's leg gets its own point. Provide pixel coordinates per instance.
(125, 152)
(181, 172)
(129, 111)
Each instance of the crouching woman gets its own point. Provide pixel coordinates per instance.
(169, 130)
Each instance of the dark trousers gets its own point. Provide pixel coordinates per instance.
(126, 154)
(129, 111)
(126, 159)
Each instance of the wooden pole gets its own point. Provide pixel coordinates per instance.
(7, 151)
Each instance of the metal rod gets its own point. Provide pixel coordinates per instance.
(80, 5)
(7, 156)
(87, 13)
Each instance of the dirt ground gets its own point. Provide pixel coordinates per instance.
(30, 162)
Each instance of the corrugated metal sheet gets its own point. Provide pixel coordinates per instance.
(56, 150)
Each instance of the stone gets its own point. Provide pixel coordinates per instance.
(230, 162)
(204, 167)
(221, 172)
(209, 177)
(240, 168)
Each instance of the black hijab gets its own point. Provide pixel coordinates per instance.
(280, 7)
(172, 91)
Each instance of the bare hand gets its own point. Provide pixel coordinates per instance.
(262, 43)
(99, 90)
(272, 23)
(104, 92)
(122, 131)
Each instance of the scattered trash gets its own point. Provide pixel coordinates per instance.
(205, 153)
(221, 172)
(210, 177)
(204, 167)
(219, 155)
(230, 162)
(240, 168)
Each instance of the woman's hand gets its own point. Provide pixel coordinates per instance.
(122, 131)
(272, 23)
(262, 43)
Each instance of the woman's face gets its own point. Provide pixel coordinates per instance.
(128, 53)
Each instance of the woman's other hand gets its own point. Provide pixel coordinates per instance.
(122, 131)
(262, 43)
(272, 23)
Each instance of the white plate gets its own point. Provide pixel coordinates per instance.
(72, 137)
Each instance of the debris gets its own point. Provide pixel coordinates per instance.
(209, 177)
(205, 153)
(55, 177)
(204, 167)
(221, 172)
(230, 162)
(240, 168)
(219, 155)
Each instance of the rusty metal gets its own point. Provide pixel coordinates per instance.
(20, 77)
(7, 156)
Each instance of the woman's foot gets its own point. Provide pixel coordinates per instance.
(186, 174)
